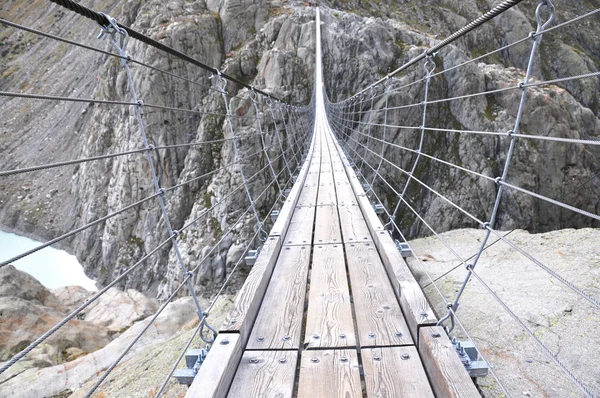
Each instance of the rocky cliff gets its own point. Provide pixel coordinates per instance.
(270, 44)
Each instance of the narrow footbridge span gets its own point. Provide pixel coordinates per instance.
(325, 295)
(318, 195)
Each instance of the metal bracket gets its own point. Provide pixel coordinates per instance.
(378, 207)
(251, 257)
(403, 248)
(194, 358)
(469, 356)
(274, 215)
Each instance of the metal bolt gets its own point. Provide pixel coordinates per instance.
(260, 339)
(344, 359)
(315, 336)
(282, 360)
(314, 360)
(253, 360)
(436, 335)
(224, 342)
(342, 336)
(376, 358)
(371, 335)
(398, 334)
(405, 356)
(424, 314)
(286, 338)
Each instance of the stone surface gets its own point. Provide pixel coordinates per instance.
(561, 319)
(175, 322)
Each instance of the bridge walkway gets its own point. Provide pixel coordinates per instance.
(330, 308)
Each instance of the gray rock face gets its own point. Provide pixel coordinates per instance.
(270, 45)
(556, 315)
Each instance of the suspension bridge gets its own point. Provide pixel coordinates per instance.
(330, 306)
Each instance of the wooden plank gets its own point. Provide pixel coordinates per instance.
(301, 227)
(448, 376)
(417, 310)
(308, 196)
(329, 322)
(354, 228)
(326, 178)
(345, 194)
(378, 316)
(326, 195)
(247, 302)
(216, 373)
(329, 373)
(371, 218)
(312, 179)
(392, 372)
(327, 225)
(265, 374)
(279, 321)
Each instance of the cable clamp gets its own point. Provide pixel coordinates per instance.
(161, 191)
(140, 103)
(509, 133)
(150, 147)
(176, 232)
(498, 180)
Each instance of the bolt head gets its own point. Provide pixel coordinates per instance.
(398, 334)
(314, 360)
(371, 335)
(344, 359)
(260, 339)
(224, 342)
(253, 360)
(315, 336)
(342, 336)
(436, 335)
(286, 338)
(282, 360)
(405, 356)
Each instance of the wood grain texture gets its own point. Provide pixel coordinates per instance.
(448, 376)
(325, 178)
(308, 195)
(216, 373)
(329, 321)
(301, 227)
(326, 195)
(354, 228)
(378, 316)
(345, 194)
(416, 308)
(327, 225)
(248, 300)
(334, 373)
(388, 375)
(265, 374)
(279, 321)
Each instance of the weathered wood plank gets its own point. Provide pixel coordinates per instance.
(448, 376)
(412, 299)
(301, 227)
(308, 195)
(326, 195)
(216, 373)
(344, 193)
(265, 374)
(354, 228)
(329, 320)
(327, 225)
(247, 302)
(279, 321)
(329, 373)
(378, 316)
(325, 178)
(392, 372)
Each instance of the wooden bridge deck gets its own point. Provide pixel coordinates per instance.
(330, 308)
